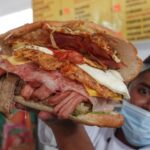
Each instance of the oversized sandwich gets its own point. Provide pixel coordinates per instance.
(75, 69)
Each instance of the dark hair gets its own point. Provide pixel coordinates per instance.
(143, 72)
(146, 66)
(147, 60)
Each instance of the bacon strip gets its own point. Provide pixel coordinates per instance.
(86, 45)
(53, 80)
(69, 55)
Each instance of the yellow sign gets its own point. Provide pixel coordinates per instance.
(138, 19)
(129, 18)
(46, 10)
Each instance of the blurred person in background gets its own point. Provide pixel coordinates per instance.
(134, 134)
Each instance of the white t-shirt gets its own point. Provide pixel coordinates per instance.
(102, 138)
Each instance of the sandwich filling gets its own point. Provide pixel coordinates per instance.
(66, 64)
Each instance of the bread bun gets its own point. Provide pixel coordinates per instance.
(102, 120)
(112, 120)
(126, 51)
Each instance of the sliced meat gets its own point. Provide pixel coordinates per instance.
(52, 80)
(69, 55)
(81, 43)
(64, 102)
(27, 91)
(35, 84)
(88, 45)
(41, 93)
(69, 108)
(54, 100)
(31, 73)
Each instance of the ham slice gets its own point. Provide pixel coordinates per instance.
(67, 93)
(41, 93)
(53, 80)
(27, 91)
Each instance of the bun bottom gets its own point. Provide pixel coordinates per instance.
(111, 120)
(102, 120)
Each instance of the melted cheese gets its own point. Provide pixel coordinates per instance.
(15, 60)
(110, 78)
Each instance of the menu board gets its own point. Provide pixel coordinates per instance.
(119, 17)
(46, 9)
(67, 10)
(72, 9)
(137, 19)
(129, 18)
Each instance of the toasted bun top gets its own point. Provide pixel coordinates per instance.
(126, 51)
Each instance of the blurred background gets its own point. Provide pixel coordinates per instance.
(130, 19)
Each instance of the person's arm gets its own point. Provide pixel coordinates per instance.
(69, 135)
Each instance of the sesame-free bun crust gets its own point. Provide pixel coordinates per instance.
(101, 120)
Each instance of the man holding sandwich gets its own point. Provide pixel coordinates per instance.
(134, 134)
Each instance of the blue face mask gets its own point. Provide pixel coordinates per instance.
(137, 125)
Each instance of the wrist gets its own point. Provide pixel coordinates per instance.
(66, 127)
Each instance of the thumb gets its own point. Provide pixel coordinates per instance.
(45, 116)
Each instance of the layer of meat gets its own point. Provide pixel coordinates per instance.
(67, 69)
(49, 88)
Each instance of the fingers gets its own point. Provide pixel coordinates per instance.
(46, 116)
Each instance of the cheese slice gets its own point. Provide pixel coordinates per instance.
(15, 60)
(92, 92)
(109, 78)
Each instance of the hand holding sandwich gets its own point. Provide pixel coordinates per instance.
(67, 133)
